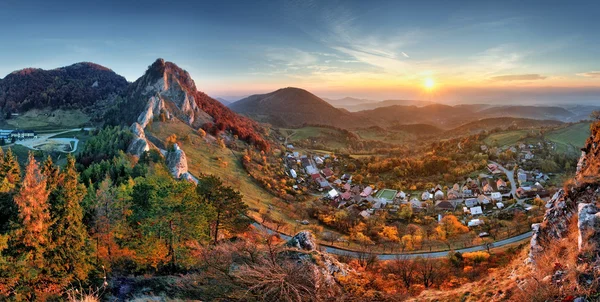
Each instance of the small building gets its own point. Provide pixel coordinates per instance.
(476, 210)
(332, 194)
(426, 196)
(438, 195)
(293, 173)
(500, 205)
(366, 191)
(444, 205)
(487, 189)
(22, 134)
(471, 202)
(474, 222)
(500, 184)
(482, 199)
(496, 196)
(327, 172)
(401, 195)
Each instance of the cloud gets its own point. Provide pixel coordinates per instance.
(405, 55)
(290, 56)
(518, 77)
(590, 74)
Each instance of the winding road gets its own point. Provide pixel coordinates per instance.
(513, 184)
(383, 256)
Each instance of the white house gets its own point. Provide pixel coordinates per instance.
(476, 210)
(439, 195)
(475, 222)
(332, 194)
(496, 196)
(293, 173)
(471, 202)
(426, 196)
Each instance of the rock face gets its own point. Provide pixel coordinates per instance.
(139, 144)
(304, 240)
(167, 89)
(589, 227)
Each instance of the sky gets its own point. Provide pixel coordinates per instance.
(474, 51)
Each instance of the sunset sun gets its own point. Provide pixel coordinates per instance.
(429, 83)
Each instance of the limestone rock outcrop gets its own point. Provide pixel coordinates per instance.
(139, 144)
(589, 227)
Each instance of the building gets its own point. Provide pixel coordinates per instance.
(439, 195)
(426, 196)
(496, 196)
(476, 210)
(293, 173)
(471, 202)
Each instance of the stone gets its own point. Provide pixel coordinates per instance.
(589, 226)
(304, 240)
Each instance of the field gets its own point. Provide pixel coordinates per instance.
(505, 138)
(48, 120)
(386, 194)
(388, 136)
(570, 139)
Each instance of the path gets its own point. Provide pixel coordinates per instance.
(383, 256)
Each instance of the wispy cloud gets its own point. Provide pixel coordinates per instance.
(590, 74)
(290, 56)
(405, 55)
(518, 77)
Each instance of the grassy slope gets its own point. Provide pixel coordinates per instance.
(570, 139)
(46, 120)
(505, 138)
(205, 157)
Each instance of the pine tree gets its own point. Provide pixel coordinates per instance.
(51, 172)
(70, 253)
(11, 169)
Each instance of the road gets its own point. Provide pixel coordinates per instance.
(382, 256)
(510, 174)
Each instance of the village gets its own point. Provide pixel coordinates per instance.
(498, 189)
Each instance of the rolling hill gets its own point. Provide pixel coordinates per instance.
(293, 107)
(78, 86)
(533, 112)
(504, 123)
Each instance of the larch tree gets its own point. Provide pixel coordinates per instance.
(31, 239)
(70, 253)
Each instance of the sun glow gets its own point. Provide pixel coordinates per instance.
(429, 83)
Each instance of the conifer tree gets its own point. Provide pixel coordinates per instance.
(30, 239)
(70, 253)
(51, 172)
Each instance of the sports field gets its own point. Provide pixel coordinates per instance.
(386, 194)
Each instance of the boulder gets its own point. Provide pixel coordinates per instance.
(304, 240)
(589, 226)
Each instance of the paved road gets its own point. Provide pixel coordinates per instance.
(513, 184)
(382, 256)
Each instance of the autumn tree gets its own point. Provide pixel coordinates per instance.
(449, 228)
(30, 238)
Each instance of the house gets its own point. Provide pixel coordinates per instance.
(401, 195)
(346, 177)
(456, 187)
(332, 194)
(501, 184)
(453, 194)
(474, 222)
(22, 134)
(521, 176)
(293, 173)
(318, 160)
(338, 182)
(438, 188)
(364, 214)
(499, 205)
(476, 210)
(305, 162)
(416, 204)
(439, 195)
(444, 205)
(346, 195)
(482, 199)
(323, 183)
(347, 187)
(496, 196)
(290, 146)
(426, 196)
(529, 155)
(487, 189)
(355, 190)
(492, 167)
(311, 170)
(366, 191)
(471, 202)
(327, 172)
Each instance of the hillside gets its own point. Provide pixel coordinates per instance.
(533, 112)
(438, 115)
(78, 86)
(292, 107)
(385, 103)
(488, 124)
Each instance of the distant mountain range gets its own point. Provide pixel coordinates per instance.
(353, 104)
